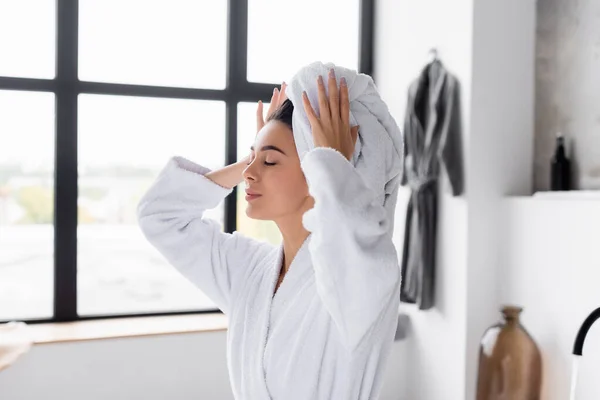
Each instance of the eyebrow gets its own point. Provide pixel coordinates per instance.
(269, 147)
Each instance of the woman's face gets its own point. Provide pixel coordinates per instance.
(275, 176)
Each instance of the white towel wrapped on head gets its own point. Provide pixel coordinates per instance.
(378, 155)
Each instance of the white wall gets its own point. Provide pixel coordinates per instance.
(489, 46)
(434, 351)
(183, 366)
(405, 32)
(551, 267)
(500, 150)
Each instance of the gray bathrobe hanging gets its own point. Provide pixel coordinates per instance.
(432, 141)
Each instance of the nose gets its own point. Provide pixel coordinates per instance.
(250, 173)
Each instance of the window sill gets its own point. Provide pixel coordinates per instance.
(126, 327)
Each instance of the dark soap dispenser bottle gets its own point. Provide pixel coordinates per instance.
(560, 169)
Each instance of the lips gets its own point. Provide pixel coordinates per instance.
(252, 195)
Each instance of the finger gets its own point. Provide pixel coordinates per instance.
(323, 102)
(308, 109)
(282, 95)
(273, 105)
(344, 103)
(260, 121)
(354, 134)
(334, 99)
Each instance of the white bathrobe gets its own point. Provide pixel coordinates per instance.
(327, 332)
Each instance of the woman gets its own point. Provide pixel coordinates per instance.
(315, 317)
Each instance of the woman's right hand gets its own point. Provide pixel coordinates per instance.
(232, 175)
(276, 100)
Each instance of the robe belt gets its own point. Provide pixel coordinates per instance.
(417, 184)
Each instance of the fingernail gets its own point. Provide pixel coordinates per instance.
(320, 79)
(275, 90)
(332, 73)
(304, 93)
(343, 81)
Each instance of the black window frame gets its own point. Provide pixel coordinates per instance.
(66, 87)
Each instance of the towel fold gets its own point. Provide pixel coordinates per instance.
(378, 154)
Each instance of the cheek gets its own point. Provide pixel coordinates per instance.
(291, 190)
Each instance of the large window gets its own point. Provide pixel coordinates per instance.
(95, 96)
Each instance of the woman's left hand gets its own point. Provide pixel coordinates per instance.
(332, 128)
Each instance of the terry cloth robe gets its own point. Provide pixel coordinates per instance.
(432, 140)
(327, 332)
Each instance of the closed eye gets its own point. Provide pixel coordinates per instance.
(269, 164)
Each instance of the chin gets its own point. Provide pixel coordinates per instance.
(253, 213)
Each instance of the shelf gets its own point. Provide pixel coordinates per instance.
(570, 196)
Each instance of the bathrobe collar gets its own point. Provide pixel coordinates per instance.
(424, 101)
(299, 270)
(271, 306)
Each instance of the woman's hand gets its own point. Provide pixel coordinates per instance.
(276, 100)
(332, 129)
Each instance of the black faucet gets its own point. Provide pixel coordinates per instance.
(583, 330)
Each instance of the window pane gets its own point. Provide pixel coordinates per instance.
(165, 43)
(124, 142)
(27, 38)
(264, 230)
(26, 204)
(276, 57)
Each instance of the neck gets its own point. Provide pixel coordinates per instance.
(294, 234)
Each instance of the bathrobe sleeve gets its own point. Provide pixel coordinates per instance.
(170, 215)
(450, 141)
(356, 265)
